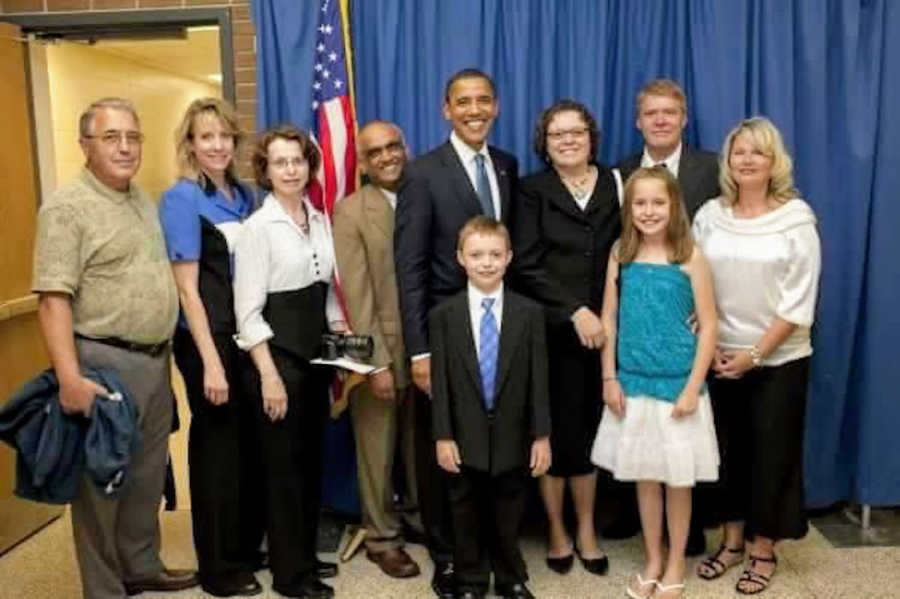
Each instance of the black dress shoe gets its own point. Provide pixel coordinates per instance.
(243, 585)
(514, 591)
(442, 582)
(326, 569)
(696, 543)
(598, 566)
(561, 565)
(311, 588)
(167, 580)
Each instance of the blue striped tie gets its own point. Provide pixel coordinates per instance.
(483, 187)
(488, 346)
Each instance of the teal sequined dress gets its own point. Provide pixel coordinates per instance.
(656, 347)
(655, 354)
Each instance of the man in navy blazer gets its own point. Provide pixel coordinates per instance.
(441, 190)
(661, 119)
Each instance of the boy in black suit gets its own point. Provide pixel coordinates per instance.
(490, 410)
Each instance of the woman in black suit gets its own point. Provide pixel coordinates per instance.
(566, 220)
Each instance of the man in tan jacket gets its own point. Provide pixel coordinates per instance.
(381, 409)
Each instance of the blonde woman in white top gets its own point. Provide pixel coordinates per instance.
(761, 242)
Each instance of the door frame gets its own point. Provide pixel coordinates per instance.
(143, 21)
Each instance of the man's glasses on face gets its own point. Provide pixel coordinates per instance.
(114, 137)
(395, 147)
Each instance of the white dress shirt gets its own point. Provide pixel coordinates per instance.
(390, 195)
(672, 161)
(476, 311)
(467, 157)
(762, 267)
(273, 254)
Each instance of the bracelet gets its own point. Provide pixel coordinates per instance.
(755, 356)
(609, 378)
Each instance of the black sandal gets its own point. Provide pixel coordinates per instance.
(750, 576)
(713, 563)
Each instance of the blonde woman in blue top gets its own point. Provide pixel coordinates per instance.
(201, 216)
(657, 428)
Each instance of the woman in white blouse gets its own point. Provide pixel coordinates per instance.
(761, 242)
(284, 302)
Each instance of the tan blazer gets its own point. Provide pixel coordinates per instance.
(364, 249)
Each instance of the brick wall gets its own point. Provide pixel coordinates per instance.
(243, 34)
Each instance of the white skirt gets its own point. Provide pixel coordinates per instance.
(648, 444)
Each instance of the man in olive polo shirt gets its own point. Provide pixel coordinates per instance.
(107, 299)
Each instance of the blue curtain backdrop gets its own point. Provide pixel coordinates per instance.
(821, 70)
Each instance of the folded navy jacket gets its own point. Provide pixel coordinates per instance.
(54, 448)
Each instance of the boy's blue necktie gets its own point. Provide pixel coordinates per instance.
(488, 346)
(483, 187)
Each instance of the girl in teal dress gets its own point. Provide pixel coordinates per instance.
(657, 425)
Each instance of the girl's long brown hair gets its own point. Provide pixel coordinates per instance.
(679, 240)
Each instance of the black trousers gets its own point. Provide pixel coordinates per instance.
(760, 423)
(434, 504)
(292, 463)
(487, 512)
(227, 507)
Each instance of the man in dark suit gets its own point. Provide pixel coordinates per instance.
(441, 191)
(661, 119)
(491, 411)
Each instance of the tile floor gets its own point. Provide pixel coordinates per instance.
(44, 567)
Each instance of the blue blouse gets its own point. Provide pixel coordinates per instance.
(185, 203)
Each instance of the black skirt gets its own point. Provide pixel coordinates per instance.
(760, 426)
(575, 401)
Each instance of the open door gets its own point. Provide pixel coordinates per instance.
(22, 353)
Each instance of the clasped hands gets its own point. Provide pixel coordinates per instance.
(731, 363)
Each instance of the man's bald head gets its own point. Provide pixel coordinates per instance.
(382, 153)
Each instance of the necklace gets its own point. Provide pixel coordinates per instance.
(301, 219)
(580, 187)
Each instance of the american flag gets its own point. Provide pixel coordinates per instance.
(335, 134)
(334, 126)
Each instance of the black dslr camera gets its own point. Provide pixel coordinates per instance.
(355, 347)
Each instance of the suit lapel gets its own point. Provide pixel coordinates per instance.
(559, 195)
(685, 170)
(511, 330)
(379, 212)
(459, 178)
(464, 342)
(503, 182)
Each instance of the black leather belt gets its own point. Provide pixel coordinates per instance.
(151, 349)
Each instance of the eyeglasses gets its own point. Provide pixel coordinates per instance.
(394, 147)
(558, 135)
(113, 137)
(282, 163)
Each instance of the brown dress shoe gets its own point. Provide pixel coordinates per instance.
(396, 563)
(167, 580)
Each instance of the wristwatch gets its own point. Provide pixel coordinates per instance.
(755, 356)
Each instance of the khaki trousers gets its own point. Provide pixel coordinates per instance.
(117, 538)
(380, 429)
